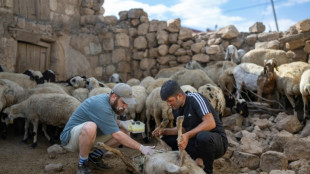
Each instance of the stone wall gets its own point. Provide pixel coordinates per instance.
(85, 42)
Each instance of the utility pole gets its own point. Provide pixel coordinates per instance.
(274, 14)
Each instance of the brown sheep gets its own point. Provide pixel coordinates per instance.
(266, 82)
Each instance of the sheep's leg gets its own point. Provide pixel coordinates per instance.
(292, 101)
(128, 161)
(35, 132)
(239, 88)
(148, 127)
(180, 120)
(46, 134)
(306, 107)
(26, 131)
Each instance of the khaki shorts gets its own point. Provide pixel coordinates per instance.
(73, 144)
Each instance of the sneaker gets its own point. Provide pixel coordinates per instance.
(98, 163)
(84, 168)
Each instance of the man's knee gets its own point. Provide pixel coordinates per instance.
(204, 138)
(89, 129)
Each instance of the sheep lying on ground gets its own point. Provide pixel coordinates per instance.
(22, 79)
(246, 75)
(304, 88)
(267, 80)
(35, 75)
(168, 72)
(258, 56)
(232, 54)
(288, 80)
(49, 109)
(195, 78)
(115, 78)
(215, 97)
(168, 162)
(157, 109)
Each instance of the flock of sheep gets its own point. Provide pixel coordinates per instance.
(36, 96)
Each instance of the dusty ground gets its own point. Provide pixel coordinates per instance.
(19, 158)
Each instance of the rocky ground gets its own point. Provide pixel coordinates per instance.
(19, 158)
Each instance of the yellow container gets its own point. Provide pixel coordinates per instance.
(137, 127)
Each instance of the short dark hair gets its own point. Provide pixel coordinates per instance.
(170, 88)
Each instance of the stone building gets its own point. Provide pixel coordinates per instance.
(73, 37)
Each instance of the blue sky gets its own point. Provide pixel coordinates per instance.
(203, 14)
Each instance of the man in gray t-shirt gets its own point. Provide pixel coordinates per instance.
(100, 113)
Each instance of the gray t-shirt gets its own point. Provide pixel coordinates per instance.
(96, 109)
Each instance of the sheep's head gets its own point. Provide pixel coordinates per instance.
(269, 65)
(91, 83)
(49, 76)
(35, 75)
(13, 112)
(115, 78)
(77, 81)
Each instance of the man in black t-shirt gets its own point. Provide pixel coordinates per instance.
(204, 137)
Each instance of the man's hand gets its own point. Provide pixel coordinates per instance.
(182, 145)
(157, 132)
(125, 124)
(147, 150)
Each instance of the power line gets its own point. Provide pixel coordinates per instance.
(250, 6)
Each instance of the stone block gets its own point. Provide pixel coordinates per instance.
(258, 27)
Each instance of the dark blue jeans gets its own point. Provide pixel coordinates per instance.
(205, 145)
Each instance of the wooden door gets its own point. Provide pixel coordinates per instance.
(31, 56)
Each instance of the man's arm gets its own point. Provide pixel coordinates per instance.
(166, 131)
(124, 139)
(207, 124)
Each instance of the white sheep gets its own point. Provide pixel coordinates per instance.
(7, 90)
(188, 88)
(147, 81)
(92, 84)
(115, 78)
(81, 94)
(35, 75)
(232, 54)
(304, 88)
(195, 78)
(246, 75)
(49, 109)
(157, 109)
(77, 81)
(288, 80)
(258, 56)
(215, 97)
(156, 83)
(133, 82)
(168, 72)
(60, 86)
(215, 70)
(140, 95)
(21, 79)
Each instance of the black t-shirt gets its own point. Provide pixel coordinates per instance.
(195, 107)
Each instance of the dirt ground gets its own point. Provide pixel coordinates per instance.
(19, 158)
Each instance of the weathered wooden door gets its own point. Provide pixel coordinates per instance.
(30, 56)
